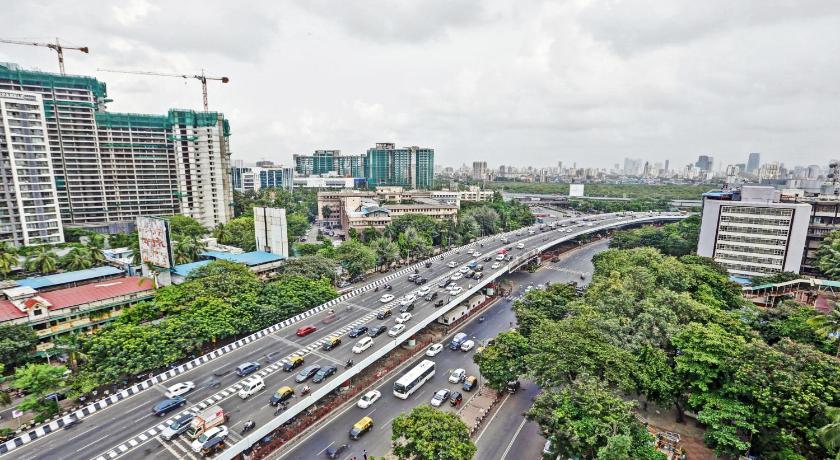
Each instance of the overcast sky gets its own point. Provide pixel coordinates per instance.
(517, 82)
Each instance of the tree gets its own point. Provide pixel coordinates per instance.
(187, 249)
(297, 225)
(8, 258)
(828, 324)
(16, 343)
(387, 252)
(828, 255)
(77, 259)
(355, 258)
(43, 260)
(313, 267)
(185, 226)
(829, 434)
(239, 232)
(38, 380)
(585, 416)
(326, 211)
(73, 345)
(426, 433)
(503, 361)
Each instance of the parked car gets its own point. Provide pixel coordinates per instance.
(368, 399)
(324, 373)
(457, 376)
(376, 330)
(247, 368)
(470, 383)
(434, 349)
(179, 389)
(168, 405)
(306, 373)
(357, 331)
(455, 398)
(440, 396)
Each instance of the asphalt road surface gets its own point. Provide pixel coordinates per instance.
(128, 428)
(506, 435)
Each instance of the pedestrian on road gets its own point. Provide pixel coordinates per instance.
(364, 454)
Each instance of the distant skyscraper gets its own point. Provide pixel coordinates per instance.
(753, 163)
(386, 165)
(479, 170)
(704, 163)
(264, 163)
(667, 166)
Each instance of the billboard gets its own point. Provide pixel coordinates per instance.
(575, 189)
(154, 241)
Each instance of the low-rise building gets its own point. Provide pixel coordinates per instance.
(258, 261)
(52, 313)
(751, 233)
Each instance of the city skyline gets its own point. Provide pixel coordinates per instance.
(594, 83)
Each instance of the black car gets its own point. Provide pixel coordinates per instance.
(487, 259)
(376, 330)
(420, 280)
(440, 303)
(428, 263)
(455, 398)
(168, 405)
(383, 314)
(306, 373)
(479, 267)
(407, 308)
(430, 296)
(445, 282)
(478, 276)
(469, 274)
(413, 276)
(335, 452)
(357, 331)
(325, 372)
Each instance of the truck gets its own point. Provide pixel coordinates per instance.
(206, 419)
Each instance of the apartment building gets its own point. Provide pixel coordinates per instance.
(109, 168)
(328, 162)
(29, 211)
(751, 233)
(245, 178)
(411, 167)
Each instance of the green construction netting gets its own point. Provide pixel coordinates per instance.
(132, 120)
(195, 119)
(52, 80)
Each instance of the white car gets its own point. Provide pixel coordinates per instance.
(180, 389)
(434, 349)
(500, 257)
(369, 398)
(362, 345)
(456, 277)
(396, 330)
(464, 269)
(386, 298)
(457, 376)
(520, 246)
(423, 290)
(403, 318)
(215, 432)
(568, 230)
(440, 397)
(456, 290)
(468, 345)
(476, 254)
(495, 265)
(531, 231)
(407, 300)
(451, 264)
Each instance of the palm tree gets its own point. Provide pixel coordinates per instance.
(828, 324)
(386, 251)
(77, 259)
(96, 255)
(188, 249)
(43, 261)
(221, 233)
(8, 258)
(829, 435)
(96, 240)
(72, 344)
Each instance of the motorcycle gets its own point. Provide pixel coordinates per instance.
(376, 289)
(248, 426)
(349, 363)
(388, 287)
(280, 408)
(305, 390)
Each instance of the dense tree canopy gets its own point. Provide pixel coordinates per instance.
(676, 239)
(426, 433)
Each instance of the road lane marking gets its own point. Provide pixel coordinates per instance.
(504, 455)
(91, 443)
(325, 448)
(492, 418)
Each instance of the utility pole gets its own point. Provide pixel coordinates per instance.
(57, 47)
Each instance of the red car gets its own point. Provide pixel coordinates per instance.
(306, 330)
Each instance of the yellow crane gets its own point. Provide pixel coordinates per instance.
(202, 78)
(57, 47)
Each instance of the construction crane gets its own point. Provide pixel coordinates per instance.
(57, 47)
(202, 78)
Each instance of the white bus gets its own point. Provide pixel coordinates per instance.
(414, 379)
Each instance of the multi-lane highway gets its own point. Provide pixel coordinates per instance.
(505, 435)
(128, 428)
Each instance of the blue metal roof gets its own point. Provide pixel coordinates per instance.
(250, 259)
(40, 282)
(185, 269)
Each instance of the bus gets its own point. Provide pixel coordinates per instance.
(414, 379)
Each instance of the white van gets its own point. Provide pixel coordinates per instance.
(363, 344)
(251, 386)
